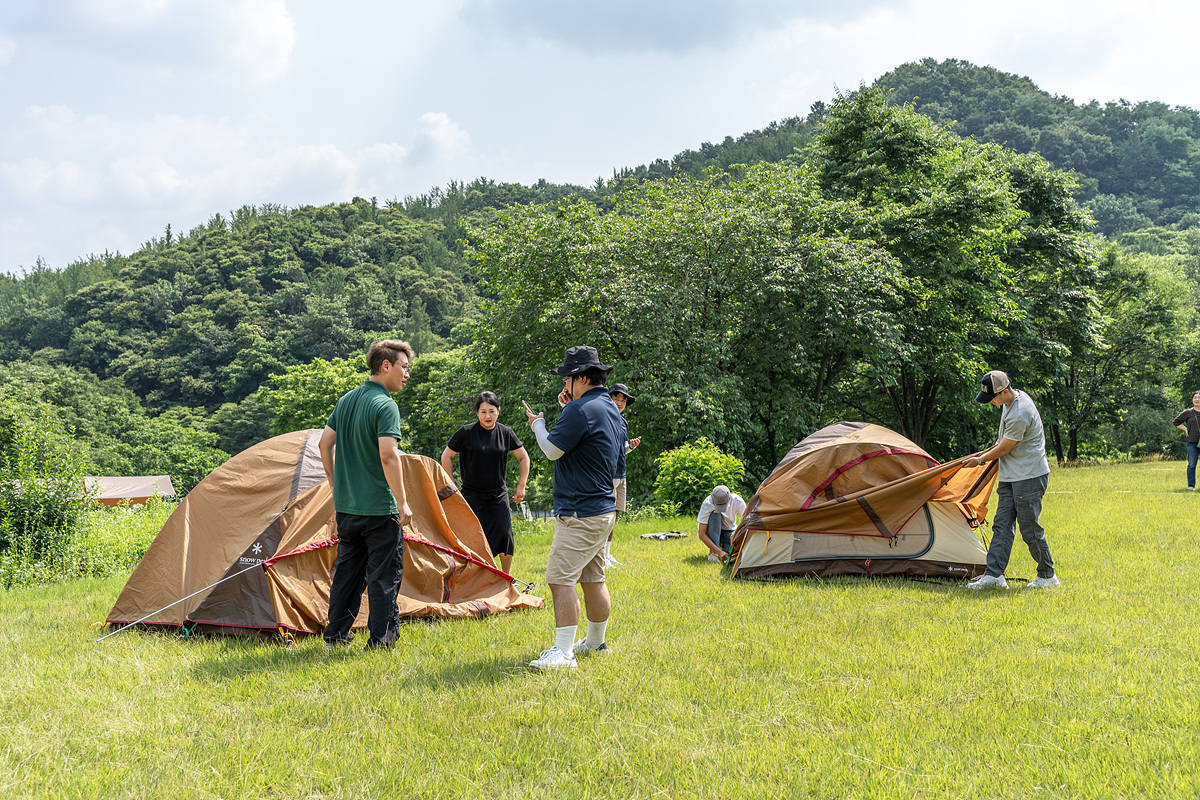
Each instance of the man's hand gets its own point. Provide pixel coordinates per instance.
(530, 416)
(973, 461)
(564, 397)
(519, 494)
(635, 442)
(405, 514)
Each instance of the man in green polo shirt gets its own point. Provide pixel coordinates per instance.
(368, 498)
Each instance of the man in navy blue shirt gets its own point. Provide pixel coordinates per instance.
(583, 444)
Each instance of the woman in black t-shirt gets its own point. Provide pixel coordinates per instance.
(484, 447)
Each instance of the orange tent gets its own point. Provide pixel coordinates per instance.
(252, 548)
(859, 499)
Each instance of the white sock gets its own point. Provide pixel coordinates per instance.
(564, 638)
(607, 550)
(595, 634)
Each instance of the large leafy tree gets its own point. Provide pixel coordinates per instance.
(730, 304)
(305, 394)
(942, 207)
(983, 238)
(1136, 342)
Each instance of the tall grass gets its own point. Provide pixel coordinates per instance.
(103, 542)
(714, 688)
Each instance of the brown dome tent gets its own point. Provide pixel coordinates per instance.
(253, 545)
(859, 499)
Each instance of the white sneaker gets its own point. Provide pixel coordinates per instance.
(1044, 583)
(580, 649)
(609, 561)
(554, 659)
(988, 582)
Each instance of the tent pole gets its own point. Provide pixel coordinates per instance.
(177, 602)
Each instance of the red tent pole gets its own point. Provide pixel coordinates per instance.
(415, 540)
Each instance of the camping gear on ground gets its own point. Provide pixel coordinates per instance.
(858, 499)
(267, 513)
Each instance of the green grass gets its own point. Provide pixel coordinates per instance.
(807, 688)
(107, 541)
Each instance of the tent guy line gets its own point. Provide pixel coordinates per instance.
(177, 602)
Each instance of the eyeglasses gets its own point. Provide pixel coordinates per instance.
(398, 365)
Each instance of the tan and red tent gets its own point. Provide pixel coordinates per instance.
(261, 528)
(859, 499)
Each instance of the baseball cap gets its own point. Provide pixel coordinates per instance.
(992, 384)
(720, 497)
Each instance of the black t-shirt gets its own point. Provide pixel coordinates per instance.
(621, 450)
(1191, 418)
(483, 455)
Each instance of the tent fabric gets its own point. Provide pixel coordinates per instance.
(262, 528)
(113, 490)
(855, 498)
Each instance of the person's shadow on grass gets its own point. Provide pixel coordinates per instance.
(232, 659)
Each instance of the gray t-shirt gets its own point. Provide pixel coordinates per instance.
(1021, 422)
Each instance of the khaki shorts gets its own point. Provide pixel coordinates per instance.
(577, 552)
(619, 492)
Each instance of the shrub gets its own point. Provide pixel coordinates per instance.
(113, 540)
(687, 474)
(41, 493)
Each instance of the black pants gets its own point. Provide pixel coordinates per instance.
(371, 556)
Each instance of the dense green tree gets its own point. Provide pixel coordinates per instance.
(943, 207)
(238, 426)
(112, 429)
(1135, 162)
(304, 395)
(730, 304)
(1135, 345)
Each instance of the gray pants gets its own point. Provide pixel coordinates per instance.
(1020, 503)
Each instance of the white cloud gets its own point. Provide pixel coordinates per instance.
(438, 139)
(263, 35)
(673, 26)
(94, 172)
(243, 39)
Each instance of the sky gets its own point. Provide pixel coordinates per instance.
(120, 117)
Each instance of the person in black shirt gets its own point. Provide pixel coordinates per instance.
(622, 398)
(1189, 422)
(484, 446)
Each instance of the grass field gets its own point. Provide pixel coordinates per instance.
(831, 688)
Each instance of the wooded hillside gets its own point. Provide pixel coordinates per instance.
(974, 245)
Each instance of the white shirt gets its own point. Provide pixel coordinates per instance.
(734, 510)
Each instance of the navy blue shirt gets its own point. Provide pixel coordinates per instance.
(590, 432)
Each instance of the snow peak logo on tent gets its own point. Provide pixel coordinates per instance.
(256, 549)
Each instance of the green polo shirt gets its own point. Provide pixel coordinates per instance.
(360, 417)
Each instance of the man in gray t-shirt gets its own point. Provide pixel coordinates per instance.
(1024, 475)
